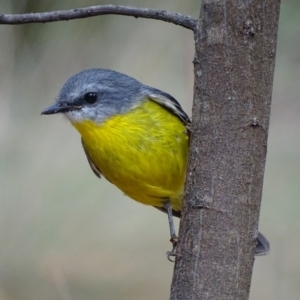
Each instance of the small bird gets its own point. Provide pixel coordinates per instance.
(134, 135)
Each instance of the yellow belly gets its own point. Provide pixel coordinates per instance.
(143, 152)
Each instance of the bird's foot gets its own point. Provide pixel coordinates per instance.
(174, 240)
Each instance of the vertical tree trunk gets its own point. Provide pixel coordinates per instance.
(234, 66)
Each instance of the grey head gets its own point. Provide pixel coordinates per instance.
(97, 94)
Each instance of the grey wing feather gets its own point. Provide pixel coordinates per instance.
(169, 103)
(94, 168)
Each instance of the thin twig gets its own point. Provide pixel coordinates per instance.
(91, 11)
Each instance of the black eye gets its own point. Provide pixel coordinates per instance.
(90, 98)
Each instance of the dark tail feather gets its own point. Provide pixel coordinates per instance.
(262, 246)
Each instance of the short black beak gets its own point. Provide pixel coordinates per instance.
(56, 108)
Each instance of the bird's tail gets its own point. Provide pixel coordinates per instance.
(262, 246)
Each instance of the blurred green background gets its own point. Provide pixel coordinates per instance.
(65, 234)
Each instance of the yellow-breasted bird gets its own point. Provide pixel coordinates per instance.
(134, 135)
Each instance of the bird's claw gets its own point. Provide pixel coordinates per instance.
(172, 253)
(174, 240)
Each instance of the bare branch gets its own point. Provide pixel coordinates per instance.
(92, 11)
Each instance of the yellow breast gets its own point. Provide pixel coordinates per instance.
(143, 152)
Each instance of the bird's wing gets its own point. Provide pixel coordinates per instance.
(169, 103)
(94, 168)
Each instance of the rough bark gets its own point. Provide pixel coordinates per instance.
(234, 66)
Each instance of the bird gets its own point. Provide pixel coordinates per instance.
(135, 136)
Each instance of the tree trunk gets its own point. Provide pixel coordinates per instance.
(234, 66)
